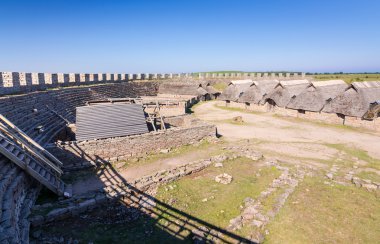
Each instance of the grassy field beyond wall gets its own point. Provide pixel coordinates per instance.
(348, 78)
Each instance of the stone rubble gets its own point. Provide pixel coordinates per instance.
(80, 204)
(253, 214)
(223, 178)
(351, 178)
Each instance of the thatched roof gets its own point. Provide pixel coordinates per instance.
(317, 95)
(356, 100)
(181, 88)
(373, 111)
(256, 92)
(201, 91)
(234, 90)
(209, 88)
(286, 90)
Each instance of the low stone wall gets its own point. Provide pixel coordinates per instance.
(313, 116)
(131, 191)
(322, 117)
(18, 192)
(78, 154)
(257, 107)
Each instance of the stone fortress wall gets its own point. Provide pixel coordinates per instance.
(21, 82)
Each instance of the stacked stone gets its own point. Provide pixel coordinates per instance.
(18, 193)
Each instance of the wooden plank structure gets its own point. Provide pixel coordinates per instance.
(105, 120)
(31, 157)
(151, 108)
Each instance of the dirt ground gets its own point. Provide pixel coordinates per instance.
(266, 133)
(303, 190)
(301, 139)
(141, 168)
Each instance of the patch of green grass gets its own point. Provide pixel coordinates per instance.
(357, 153)
(348, 78)
(269, 202)
(142, 230)
(223, 201)
(203, 145)
(220, 86)
(193, 107)
(233, 122)
(319, 213)
(242, 110)
(369, 176)
(323, 124)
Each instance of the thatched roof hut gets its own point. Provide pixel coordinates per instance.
(181, 88)
(256, 92)
(315, 97)
(209, 88)
(356, 100)
(373, 111)
(286, 90)
(235, 89)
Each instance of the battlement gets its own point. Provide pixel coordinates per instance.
(21, 82)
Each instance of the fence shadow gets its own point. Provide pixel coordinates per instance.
(172, 224)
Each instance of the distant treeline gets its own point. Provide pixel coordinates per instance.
(343, 73)
(307, 73)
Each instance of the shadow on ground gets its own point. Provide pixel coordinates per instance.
(132, 215)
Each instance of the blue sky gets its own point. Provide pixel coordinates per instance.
(190, 36)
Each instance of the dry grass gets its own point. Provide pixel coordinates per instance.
(220, 86)
(349, 78)
(319, 213)
(223, 201)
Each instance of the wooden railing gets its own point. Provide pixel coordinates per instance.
(28, 144)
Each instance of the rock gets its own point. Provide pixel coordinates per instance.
(223, 178)
(253, 155)
(218, 165)
(367, 181)
(235, 223)
(370, 187)
(204, 200)
(37, 234)
(356, 181)
(249, 201)
(219, 158)
(249, 213)
(238, 119)
(164, 150)
(264, 194)
(37, 220)
(348, 177)
(200, 234)
(257, 223)
(262, 217)
(330, 176)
